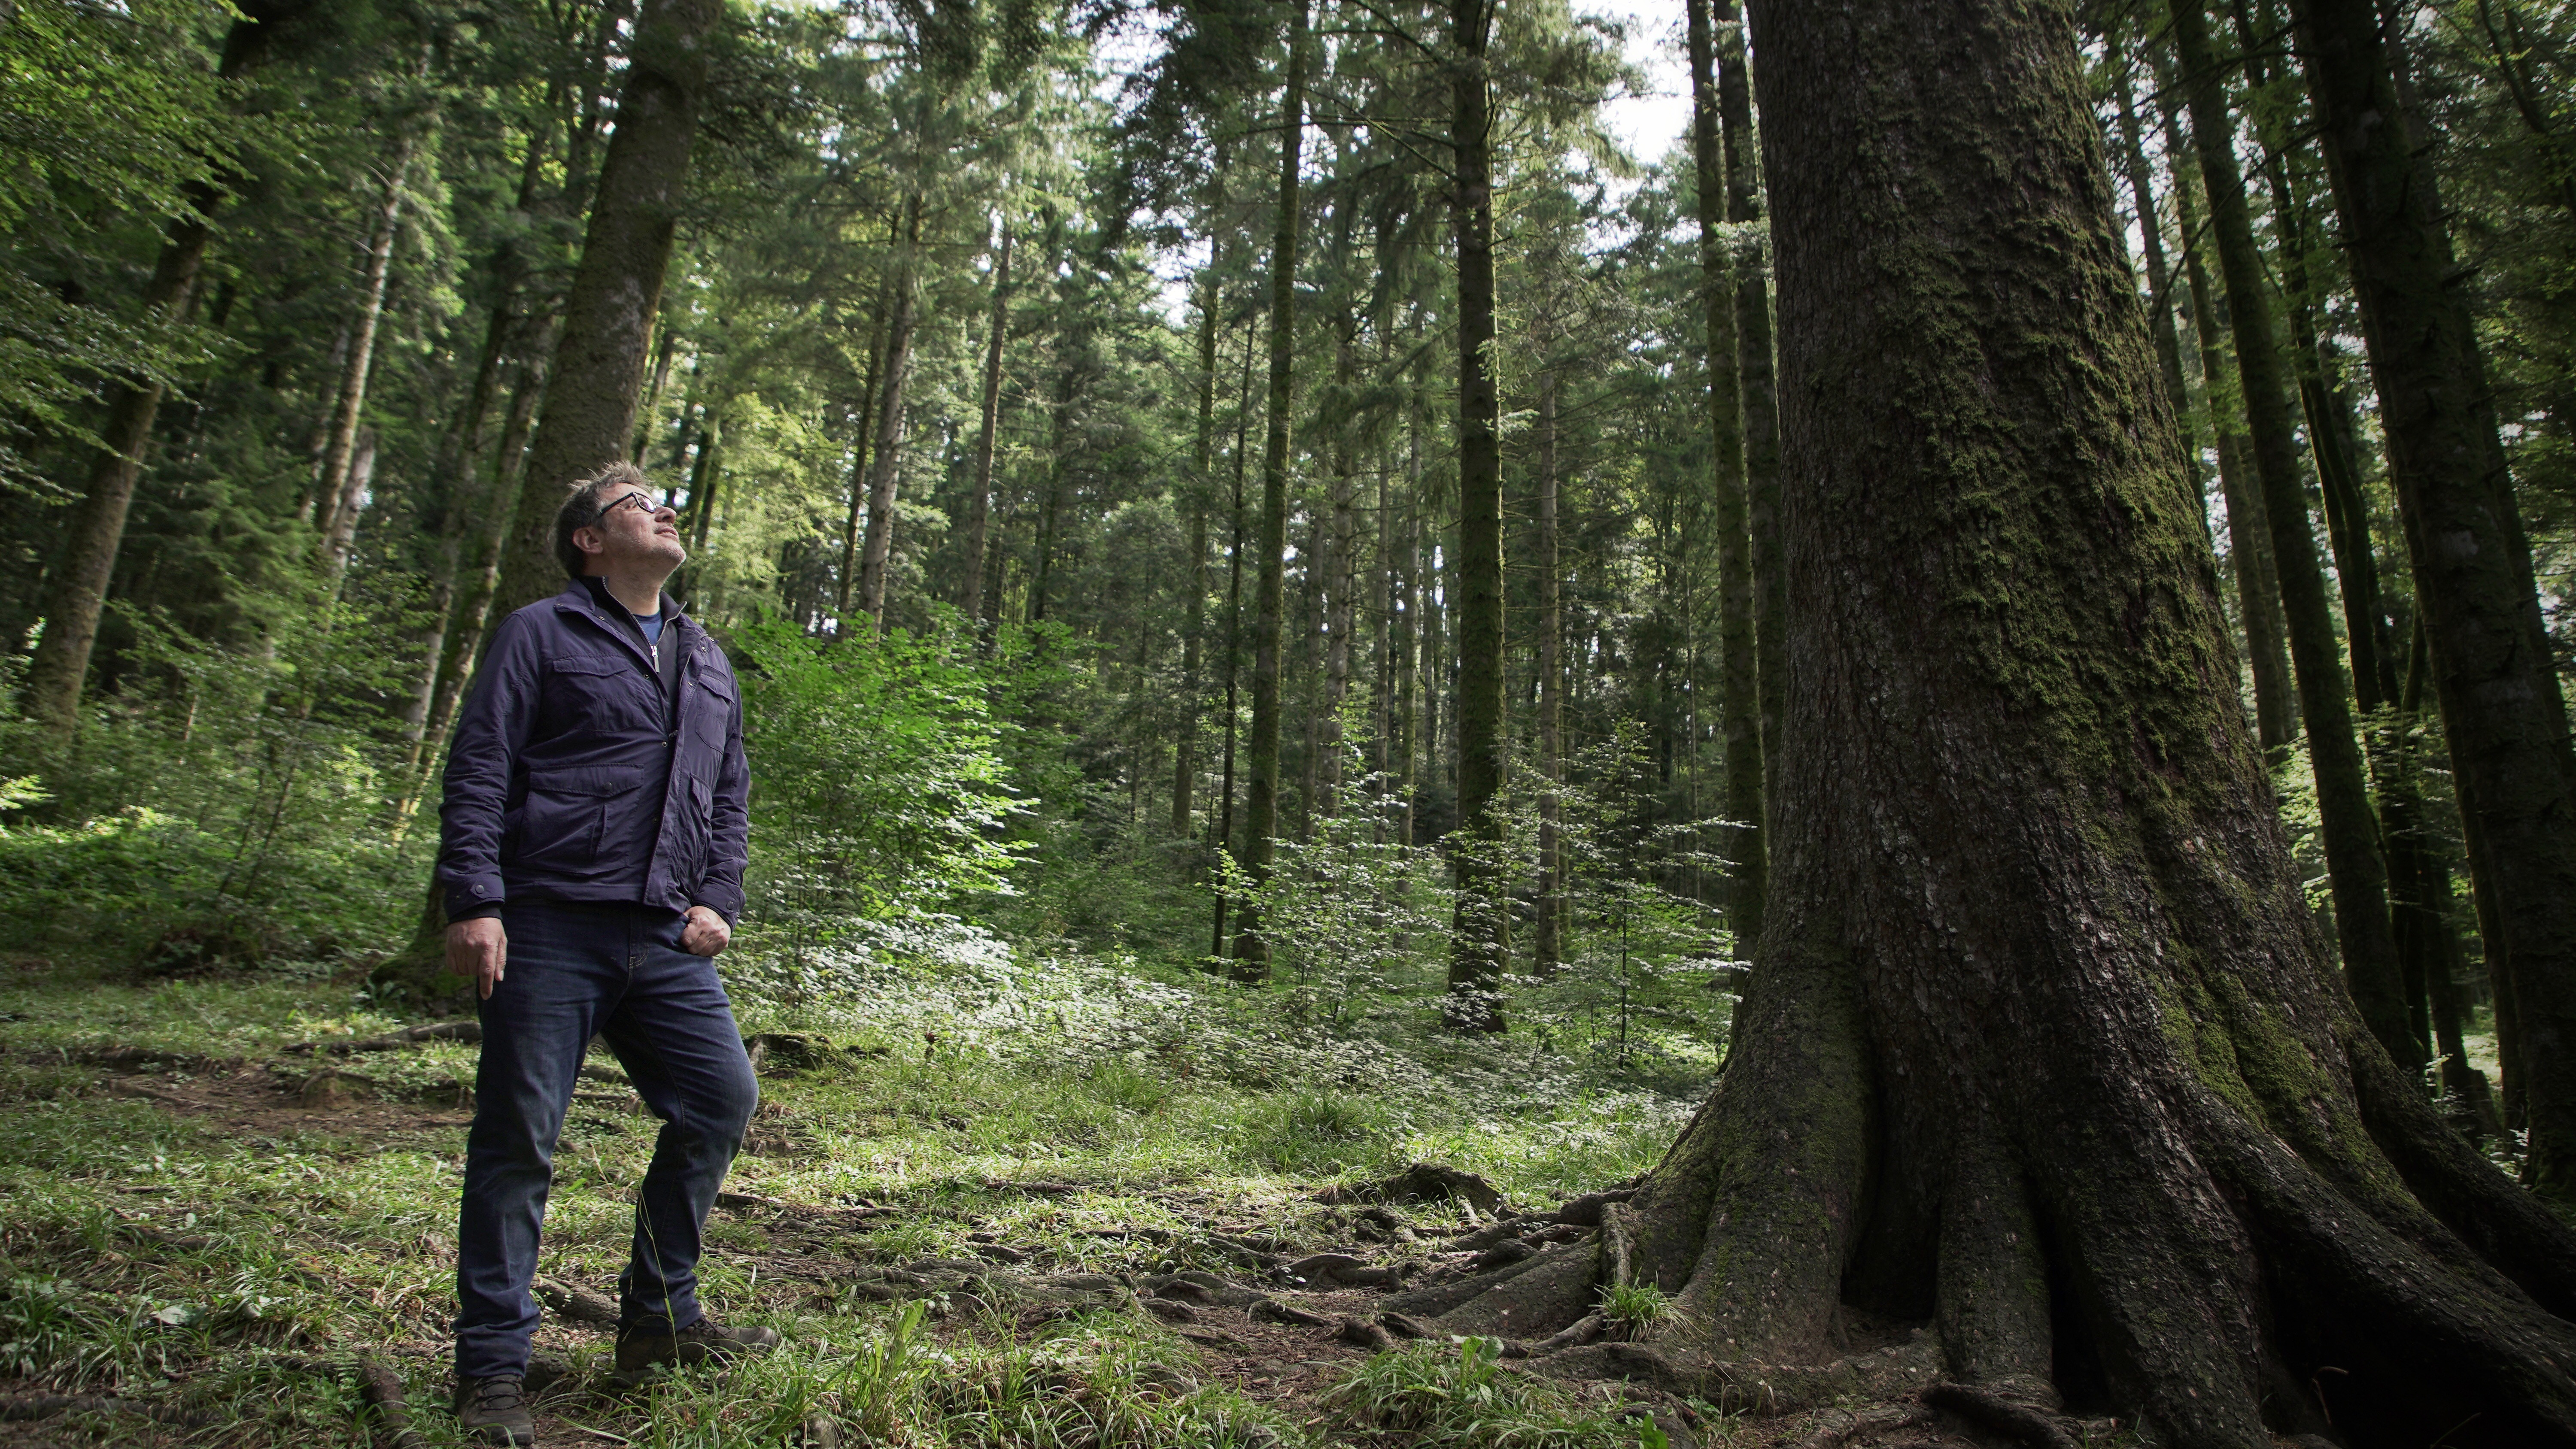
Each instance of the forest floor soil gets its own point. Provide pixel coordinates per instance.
(201, 1218)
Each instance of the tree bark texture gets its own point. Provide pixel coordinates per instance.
(1738, 666)
(606, 341)
(2347, 829)
(2042, 1045)
(1481, 940)
(1269, 593)
(2502, 710)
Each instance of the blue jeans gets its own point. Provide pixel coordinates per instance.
(616, 971)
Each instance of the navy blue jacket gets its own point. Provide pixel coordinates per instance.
(575, 776)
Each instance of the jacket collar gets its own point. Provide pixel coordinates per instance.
(585, 594)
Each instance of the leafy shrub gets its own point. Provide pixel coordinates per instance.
(877, 787)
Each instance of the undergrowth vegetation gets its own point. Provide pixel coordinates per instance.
(197, 1216)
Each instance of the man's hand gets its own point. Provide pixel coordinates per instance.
(703, 932)
(477, 950)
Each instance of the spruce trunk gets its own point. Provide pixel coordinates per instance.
(1261, 795)
(606, 341)
(1547, 944)
(902, 313)
(1482, 937)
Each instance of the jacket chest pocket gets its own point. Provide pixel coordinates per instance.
(603, 695)
(707, 710)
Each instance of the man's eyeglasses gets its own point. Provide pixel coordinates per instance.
(642, 501)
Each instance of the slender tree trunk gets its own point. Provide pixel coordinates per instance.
(2160, 292)
(468, 505)
(2348, 830)
(2477, 1111)
(1042, 567)
(1739, 654)
(2258, 590)
(979, 503)
(482, 584)
(2042, 1044)
(1409, 640)
(1233, 634)
(1185, 762)
(346, 505)
(870, 380)
(903, 311)
(1339, 565)
(1547, 943)
(598, 369)
(1261, 798)
(1318, 556)
(1758, 396)
(1482, 936)
(1382, 648)
(666, 345)
(76, 590)
(2502, 711)
(332, 486)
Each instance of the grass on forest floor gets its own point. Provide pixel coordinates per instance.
(196, 1217)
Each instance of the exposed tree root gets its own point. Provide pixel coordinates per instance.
(1837, 1426)
(1993, 1411)
(1767, 1390)
(382, 1392)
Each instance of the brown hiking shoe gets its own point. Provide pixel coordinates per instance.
(700, 1342)
(495, 1410)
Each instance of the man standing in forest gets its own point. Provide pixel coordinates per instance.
(592, 849)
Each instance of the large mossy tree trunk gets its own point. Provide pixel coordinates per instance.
(2502, 708)
(2042, 1048)
(597, 377)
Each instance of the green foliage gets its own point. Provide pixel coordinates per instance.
(1352, 915)
(1645, 963)
(878, 789)
(232, 811)
(1633, 1305)
(108, 115)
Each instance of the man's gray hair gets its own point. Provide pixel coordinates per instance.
(581, 509)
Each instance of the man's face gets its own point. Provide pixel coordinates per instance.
(634, 532)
